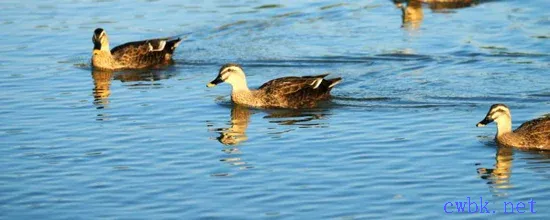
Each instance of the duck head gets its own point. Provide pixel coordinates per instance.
(100, 40)
(497, 113)
(230, 73)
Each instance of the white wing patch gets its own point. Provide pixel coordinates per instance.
(334, 83)
(160, 46)
(316, 83)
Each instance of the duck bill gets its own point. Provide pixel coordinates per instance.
(484, 122)
(214, 82)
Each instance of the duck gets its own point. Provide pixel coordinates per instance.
(531, 135)
(287, 92)
(132, 55)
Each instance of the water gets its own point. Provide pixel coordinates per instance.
(398, 140)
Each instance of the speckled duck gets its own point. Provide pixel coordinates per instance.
(287, 92)
(534, 134)
(133, 55)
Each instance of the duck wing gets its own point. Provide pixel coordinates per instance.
(539, 124)
(536, 131)
(292, 84)
(146, 51)
(298, 92)
(145, 46)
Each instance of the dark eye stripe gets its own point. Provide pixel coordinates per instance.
(224, 75)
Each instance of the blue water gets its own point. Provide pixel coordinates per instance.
(397, 141)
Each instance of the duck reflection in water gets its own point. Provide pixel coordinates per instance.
(102, 81)
(240, 119)
(143, 76)
(235, 134)
(102, 87)
(499, 176)
(412, 14)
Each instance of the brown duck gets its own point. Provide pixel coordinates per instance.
(132, 55)
(287, 92)
(534, 134)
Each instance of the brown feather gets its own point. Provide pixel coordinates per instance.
(285, 92)
(535, 133)
(139, 54)
(132, 55)
(295, 92)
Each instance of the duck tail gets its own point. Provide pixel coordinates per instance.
(172, 45)
(334, 81)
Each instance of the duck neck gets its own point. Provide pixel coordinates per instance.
(241, 94)
(103, 59)
(504, 125)
(239, 86)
